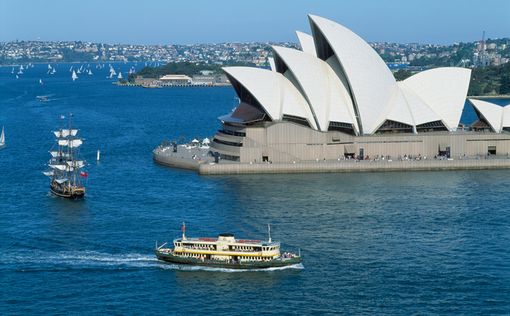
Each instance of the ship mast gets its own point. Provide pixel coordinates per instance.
(183, 231)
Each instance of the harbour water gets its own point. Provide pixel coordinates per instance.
(393, 243)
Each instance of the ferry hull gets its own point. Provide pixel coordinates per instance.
(167, 257)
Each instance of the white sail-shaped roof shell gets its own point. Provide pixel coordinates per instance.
(494, 114)
(444, 90)
(398, 110)
(506, 117)
(338, 77)
(371, 82)
(306, 43)
(325, 93)
(275, 93)
(262, 84)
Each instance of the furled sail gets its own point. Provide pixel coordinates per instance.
(48, 173)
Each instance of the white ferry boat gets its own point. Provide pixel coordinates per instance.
(226, 251)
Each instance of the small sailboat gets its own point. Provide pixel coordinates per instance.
(12, 71)
(65, 166)
(41, 82)
(71, 69)
(90, 72)
(53, 71)
(20, 71)
(98, 157)
(2, 139)
(49, 67)
(74, 76)
(119, 76)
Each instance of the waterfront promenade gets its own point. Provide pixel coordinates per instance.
(198, 159)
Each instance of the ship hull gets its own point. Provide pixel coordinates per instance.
(74, 195)
(170, 258)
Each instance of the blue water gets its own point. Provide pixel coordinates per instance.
(375, 243)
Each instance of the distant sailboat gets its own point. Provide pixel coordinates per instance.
(41, 82)
(20, 71)
(49, 67)
(53, 71)
(98, 155)
(17, 77)
(71, 69)
(119, 76)
(12, 71)
(2, 139)
(74, 76)
(90, 72)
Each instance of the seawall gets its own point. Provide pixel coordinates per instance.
(352, 166)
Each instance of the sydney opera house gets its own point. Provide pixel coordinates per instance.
(337, 98)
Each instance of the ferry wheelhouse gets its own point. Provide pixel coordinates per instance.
(227, 252)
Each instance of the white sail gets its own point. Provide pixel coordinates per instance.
(54, 153)
(76, 164)
(53, 71)
(66, 132)
(74, 76)
(73, 143)
(59, 167)
(49, 67)
(2, 137)
(119, 76)
(60, 181)
(90, 72)
(49, 173)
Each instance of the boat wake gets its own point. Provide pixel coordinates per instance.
(183, 267)
(72, 260)
(32, 261)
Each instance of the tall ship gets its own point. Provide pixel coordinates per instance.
(226, 251)
(65, 166)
